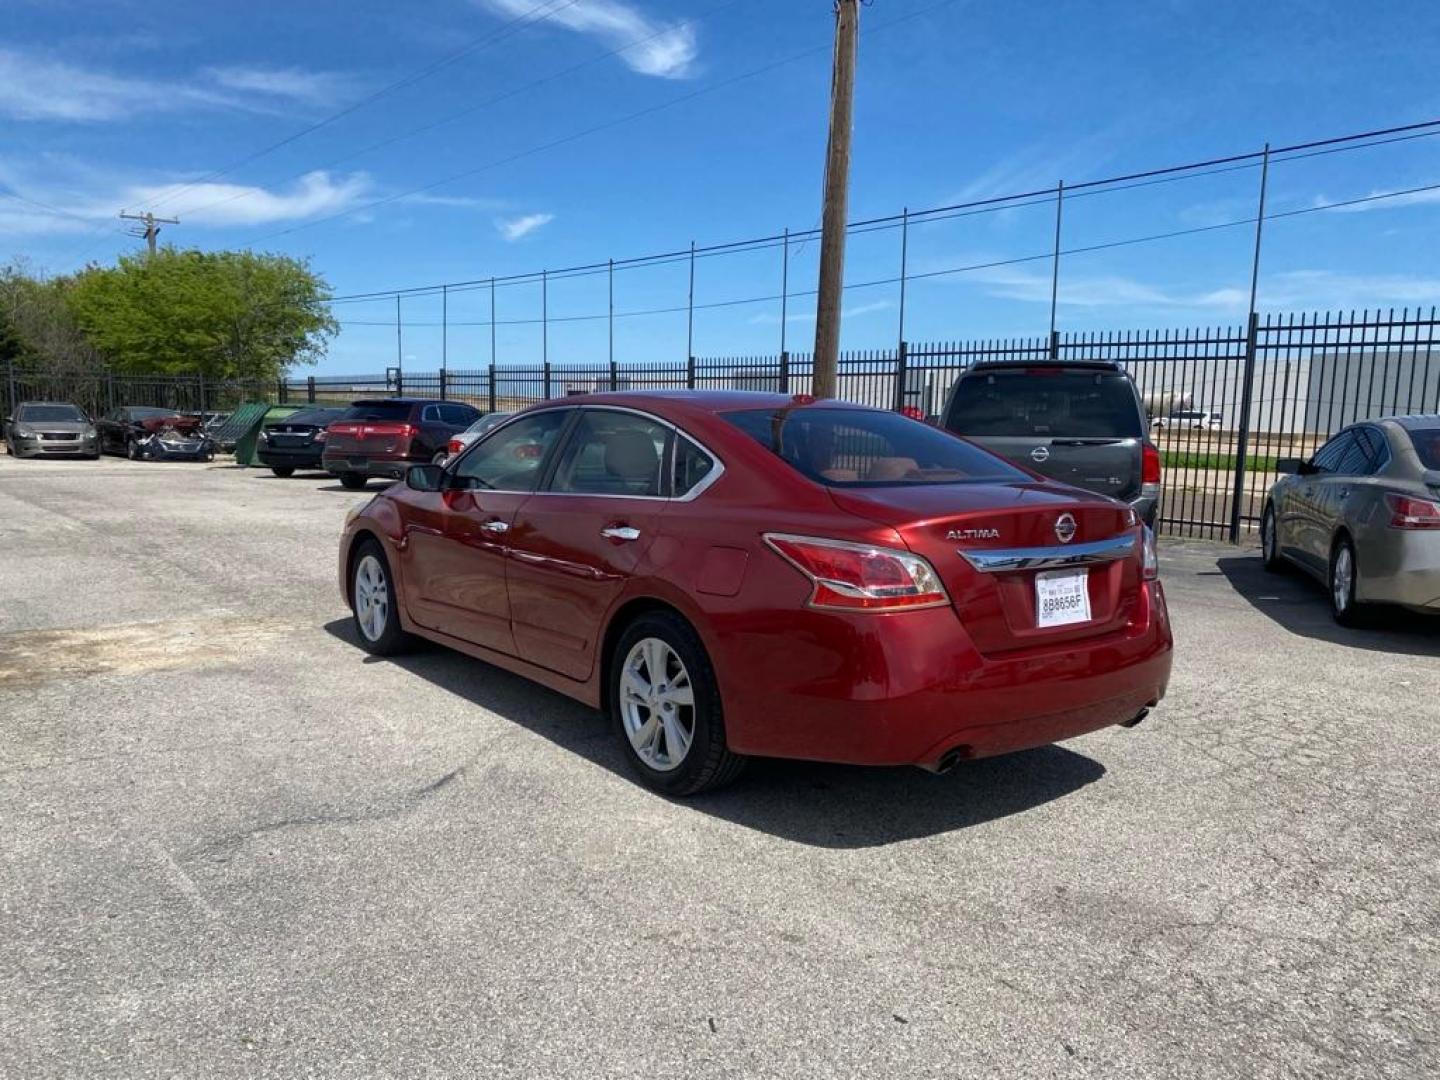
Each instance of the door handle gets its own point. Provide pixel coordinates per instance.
(620, 532)
(496, 527)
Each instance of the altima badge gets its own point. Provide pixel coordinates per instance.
(973, 534)
(1065, 528)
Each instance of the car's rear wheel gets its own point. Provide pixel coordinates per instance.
(1270, 555)
(353, 481)
(132, 449)
(665, 701)
(373, 602)
(282, 471)
(1344, 576)
(440, 458)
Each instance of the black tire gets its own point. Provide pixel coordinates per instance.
(132, 450)
(353, 481)
(440, 458)
(283, 471)
(708, 763)
(1343, 605)
(387, 638)
(1270, 556)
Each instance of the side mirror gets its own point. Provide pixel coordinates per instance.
(424, 477)
(1290, 466)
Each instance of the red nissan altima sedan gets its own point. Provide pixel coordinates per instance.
(731, 574)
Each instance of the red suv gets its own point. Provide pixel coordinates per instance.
(384, 438)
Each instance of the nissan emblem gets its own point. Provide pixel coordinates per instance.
(1065, 528)
(1040, 453)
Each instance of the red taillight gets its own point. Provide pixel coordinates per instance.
(1150, 466)
(860, 577)
(345, 428)
(1408, 512)
(454, 446)
(394, 431)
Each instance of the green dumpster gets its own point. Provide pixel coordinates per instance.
(246, 444)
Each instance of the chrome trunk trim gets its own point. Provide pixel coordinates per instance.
(1000, 560)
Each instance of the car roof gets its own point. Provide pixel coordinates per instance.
(703, 401)
(1412, 422)
(1073, 365)
(22, 404)
(407, 401)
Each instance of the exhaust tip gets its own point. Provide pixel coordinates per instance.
(1134, 721)
(948, 760)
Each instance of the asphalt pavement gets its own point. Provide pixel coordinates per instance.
(233, 845)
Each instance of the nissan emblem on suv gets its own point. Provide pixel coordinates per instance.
(1065, 528)
(1040, 453)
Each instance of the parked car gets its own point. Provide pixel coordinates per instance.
(1192, 419)
(730, 574)
(140, 431)
(50, 429)
(296, 441)
(1363, 516)
(470, 434)
(1078, 422)
(383, 438)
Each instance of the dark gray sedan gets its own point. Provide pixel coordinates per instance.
(50, 429)
(1363, 516)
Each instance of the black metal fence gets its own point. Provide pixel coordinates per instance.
(1278, 387)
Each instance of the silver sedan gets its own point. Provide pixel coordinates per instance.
(1363, 516)
(469, 435)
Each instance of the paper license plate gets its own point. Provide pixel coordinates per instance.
(1062, 597)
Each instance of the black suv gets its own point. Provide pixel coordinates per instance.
(384, 438)
(296, 441)
(1079, 422)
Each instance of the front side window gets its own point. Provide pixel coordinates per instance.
(868, 448)
(514, 458)
(613, 453)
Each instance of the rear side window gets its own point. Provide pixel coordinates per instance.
(1329, 456)
(1427, 445)
(868, 448)
(1045, 403)
(456, 415)
(692, 465)
(378, 410)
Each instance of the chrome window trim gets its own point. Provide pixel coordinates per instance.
(1001, 560)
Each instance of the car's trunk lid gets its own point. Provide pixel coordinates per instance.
(999, 609)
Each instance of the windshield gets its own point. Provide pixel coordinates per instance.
(145, 412)
(41, 414)
(312, 417)
(378, 410)
(868, 448)
(1427, 445)
(1046, 403)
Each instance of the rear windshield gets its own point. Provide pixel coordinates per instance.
(1427, 445)
(42, 414)
(864, 448)
(315, 417)
(147, 412)
(378, 410)
(1037, 403)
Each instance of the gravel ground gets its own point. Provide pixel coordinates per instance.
(231, 845)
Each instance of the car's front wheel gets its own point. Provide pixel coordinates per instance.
(373, 602)
(353, 481)
(1270, 556)
(132, 449)
(1344, 576)
(282, 471)
(664, 699)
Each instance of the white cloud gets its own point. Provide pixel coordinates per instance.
(513, 229)
(40, 88)
(294, 84)
(665, 50)
(808, 314)
(1413, 198)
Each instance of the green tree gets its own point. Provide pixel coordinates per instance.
(42, 330)
(225, 314)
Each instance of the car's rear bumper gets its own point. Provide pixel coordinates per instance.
(301, 458)
(1400, 566)
(914, 690)
(389, 468)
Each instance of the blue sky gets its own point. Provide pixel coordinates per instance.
(179, 107)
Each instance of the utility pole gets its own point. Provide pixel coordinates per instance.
(149, 226)
(837, 195)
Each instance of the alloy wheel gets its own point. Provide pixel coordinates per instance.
(657, 704)
(1267, 535)
(372, 598)
(1343, 578)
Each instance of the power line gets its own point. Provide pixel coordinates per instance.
(508, 29)
(596, 129)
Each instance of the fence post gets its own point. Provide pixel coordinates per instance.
(784, 372)
(399, 382)
(281, 391)
(310, 389)
(690, 373)
(901, 364)
(201, 378)
(109, 390)
(442, 384)
(10, 401)
(547, 381)
(1054, 344)
(1242, 444)
(492, 386)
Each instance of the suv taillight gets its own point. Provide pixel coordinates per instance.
(860, 577)
(1408, 512)
(1150, 471)
(454, 446)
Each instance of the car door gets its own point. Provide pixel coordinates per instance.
(456, 540)
(1333, 490)
(1349, 494)
(1309, 533)
(110, 431)
(575, 543)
